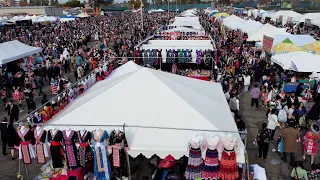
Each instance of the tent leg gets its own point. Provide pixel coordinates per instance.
(27, 172)
(127, 157)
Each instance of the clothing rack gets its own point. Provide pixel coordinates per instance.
(244, 166)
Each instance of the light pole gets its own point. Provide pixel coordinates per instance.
(141, 8)
(168, 7)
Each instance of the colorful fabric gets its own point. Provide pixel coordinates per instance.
(40, 153)
(116, 157)
(228, 166)
(311, 143)
(82, 154)
(101, 163)
(193, 170)
(69, 149)
(210, 169)
(25, 151)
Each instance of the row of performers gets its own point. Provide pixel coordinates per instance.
(154, 56)
(76, 149)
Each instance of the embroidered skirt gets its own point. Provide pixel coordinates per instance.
(210, 169)
(26, 152)
(193, 170)
(228, 166)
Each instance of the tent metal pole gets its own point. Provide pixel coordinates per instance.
(137, 126)
(244, 168)
(127, 155)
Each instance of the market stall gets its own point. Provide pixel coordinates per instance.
(268, 30)
(13, 50)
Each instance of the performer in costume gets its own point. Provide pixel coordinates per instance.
(84, 152)
(26, 151)
(101, 162)
(41, 148)
(69, 138)
(55, 138)
(17, 95)
(118, 143)
(311, 142)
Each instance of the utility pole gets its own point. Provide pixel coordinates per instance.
(168, 8)
(141, 7)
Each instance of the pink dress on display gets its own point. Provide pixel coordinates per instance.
(311, 144)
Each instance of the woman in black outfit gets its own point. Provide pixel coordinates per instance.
(13, 140)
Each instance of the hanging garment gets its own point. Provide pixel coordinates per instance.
(146, 57)
(198, 58)
(170, 56)
(210, 169)
(56, 150)
(26, 151)
(193, 170)
(84, 152)
(101, 162)
(189, 55)
(37, 118)
(118, 142)
(41, 147)
(70, 148)
(185, 55)
(207, 58)
(180, 56)
(159, 56)
(154, 57)
(228, 165)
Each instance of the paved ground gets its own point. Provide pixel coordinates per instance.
(254, 117)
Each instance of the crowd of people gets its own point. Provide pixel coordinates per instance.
(239, 67)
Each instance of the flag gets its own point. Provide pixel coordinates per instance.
(294, 67)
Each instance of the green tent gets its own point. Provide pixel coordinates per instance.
(287, 40)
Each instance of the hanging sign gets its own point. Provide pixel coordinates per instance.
(290, 19)
(267, 43)
(307, 22)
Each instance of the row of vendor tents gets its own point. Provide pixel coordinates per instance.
(39, 19)
(299, 53)
(285, 15)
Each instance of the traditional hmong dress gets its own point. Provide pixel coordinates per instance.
(101, 162)
(311, 143)
(70, 148)
(193, 170)
(118, 142)
(26, 151)
(37, 118)
(198, 58)
(210, 168)
(84, 151)
(41, 147)
(228, 163)
(56, 149)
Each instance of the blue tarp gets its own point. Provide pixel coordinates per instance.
(212, 14)
(68, 16)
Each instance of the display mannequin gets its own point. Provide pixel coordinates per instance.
(118, 143)
(26, 151)
(101, 162)
(210, 168)
(84, 151)
(193, 170)
(228, 163)
(40, 145)
(55, 138)
(69, 137)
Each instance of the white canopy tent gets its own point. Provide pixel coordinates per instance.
(192, 22)
(128, 67)
(189, 13)
(298, 61)
(232, 18)
(250, 26)
(182, 29)
(164, 106)
(13, 50)
(267, 30)
(298, 40)
(178, 44)
(285, 14)
(311, 16)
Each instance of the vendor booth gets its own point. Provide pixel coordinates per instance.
(13, 50)
(149, 118)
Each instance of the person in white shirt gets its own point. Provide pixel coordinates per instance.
(272, 122)
(246, 83)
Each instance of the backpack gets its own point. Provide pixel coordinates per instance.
(233, 103)
(265, 136)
